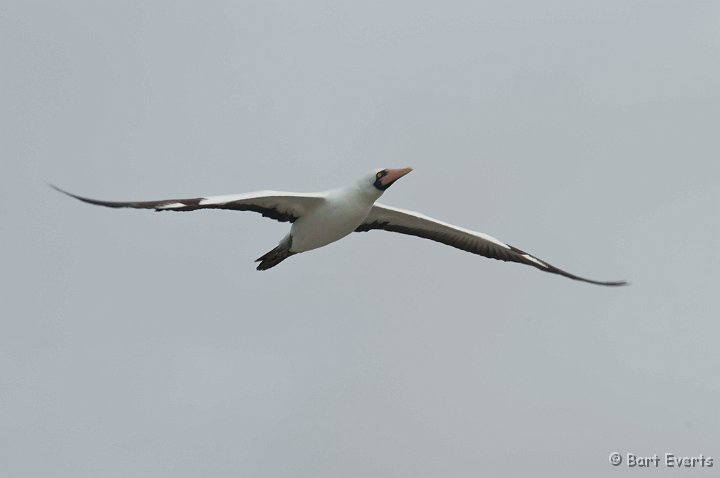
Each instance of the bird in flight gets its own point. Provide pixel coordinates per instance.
(319, 219)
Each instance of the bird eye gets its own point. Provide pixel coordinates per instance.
(379, 174)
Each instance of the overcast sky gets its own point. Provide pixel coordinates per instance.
(143, 344)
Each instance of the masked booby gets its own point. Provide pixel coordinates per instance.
(319, 219)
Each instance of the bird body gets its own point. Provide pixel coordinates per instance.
(338, 215)
(319, 219)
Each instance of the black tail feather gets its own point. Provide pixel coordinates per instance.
(273, 258)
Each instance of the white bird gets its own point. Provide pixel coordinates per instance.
(321, 218)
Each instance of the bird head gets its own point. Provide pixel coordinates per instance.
(384, 178)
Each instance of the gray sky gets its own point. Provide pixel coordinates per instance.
(143, 344)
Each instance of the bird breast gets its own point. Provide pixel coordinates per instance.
(336, 217)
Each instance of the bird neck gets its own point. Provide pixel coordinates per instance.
(357, 192)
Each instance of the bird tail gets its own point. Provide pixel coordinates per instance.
(274, 257)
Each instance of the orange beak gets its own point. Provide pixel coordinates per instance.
(393, 175)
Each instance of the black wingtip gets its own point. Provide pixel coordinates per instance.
(617, 283)
(612, 283)
(52, 186)
(61, 190)
(69, 194)
(98, 202)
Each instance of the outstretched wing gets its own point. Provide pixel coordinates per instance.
(281, 206)
(415, 224)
